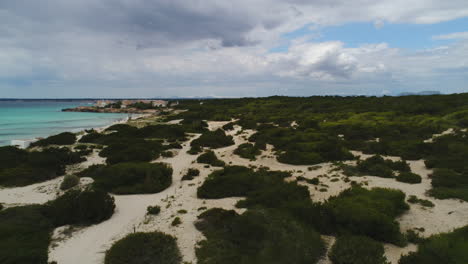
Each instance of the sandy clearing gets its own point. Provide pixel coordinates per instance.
(43, 192)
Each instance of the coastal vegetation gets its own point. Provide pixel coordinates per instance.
(147, 248)
(248, 151)
(77, 207)
(69, 181)
(65, 138)
(369, 212)
(25, 231)
(130, 178)
(443, 248)
(357, 250)
(191, 174)
(20, 167)
(213, 139)
(209, 157)
(257, 236)
(284, 213)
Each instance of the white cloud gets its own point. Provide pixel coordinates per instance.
(456, 35)
(213, 47)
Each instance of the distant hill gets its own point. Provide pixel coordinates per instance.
(420, 93)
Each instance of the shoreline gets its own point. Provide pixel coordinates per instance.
(24, 143)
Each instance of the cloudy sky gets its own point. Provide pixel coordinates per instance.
(162, 48)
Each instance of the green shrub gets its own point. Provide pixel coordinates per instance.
(19, 167)
(209, 157)
(24, 235)
(194, 150)
(65, 138)
(235, 181)
(147, 248)
(442, 248)
(426, 203)
(69, 181)
(133, 151)
(442, 177)
(448, 183)
(191, 173)
(369, 212)
(357, 250)
(314, 181)
(1, 206)
(409, 177)
(375, 166)
(213, 139)
(228, 126)
(413, 237)
(167, 154)
(80, 208)
(247, 151)
(176, 221)
(153, 210)
(259, 236)
(130, 178)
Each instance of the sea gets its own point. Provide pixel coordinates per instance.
(30, 119)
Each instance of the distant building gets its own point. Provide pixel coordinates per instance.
(160, 103)
(103, 103)
(127, 103)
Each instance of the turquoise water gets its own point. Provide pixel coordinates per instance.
(32, 119)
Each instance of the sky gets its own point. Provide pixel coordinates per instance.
(242, 48)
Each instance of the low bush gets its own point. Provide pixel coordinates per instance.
(194, 150)
(235, 181)
(77, 207)
(191, 173)
(69, 181)
(378, 166)
(258, 236)
(447, 183)
(65, 138)
(228, 126)
(167, 154)
(130, 178)
(24, 235)
(153, 210)
(442, 248)
(357, 250)
(20, 167)
(144, 248)
(25, 231)
(375, 166)
(369, 212)
(314, 181)
(176, 221)
(442, 177)
(413, 237)
(213, 139)
(426, 203)
(133, 151)
(409, 177)
(247, 151)
(209, 157)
